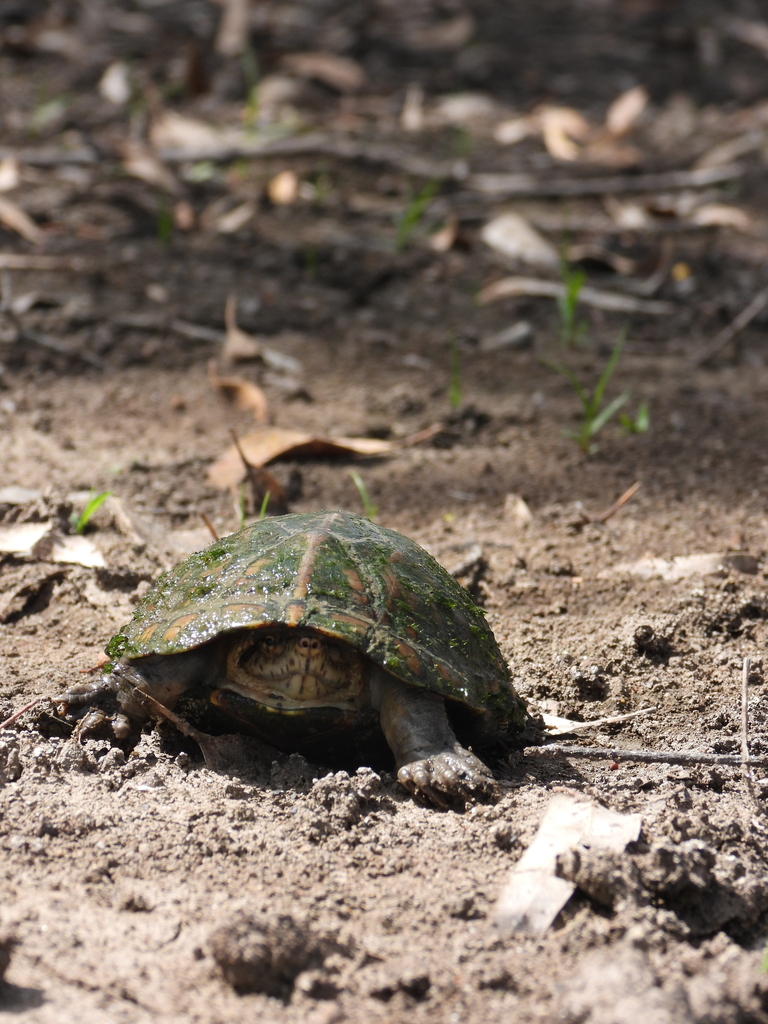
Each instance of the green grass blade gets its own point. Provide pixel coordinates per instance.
(95, 501)
(599, 421)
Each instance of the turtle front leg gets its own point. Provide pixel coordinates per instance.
(430, 761)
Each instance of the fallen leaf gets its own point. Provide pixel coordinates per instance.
(754, 33)
(15, 494)
(721, 215)
(177, 132)
(262, 485)
(512, 235)
(412, 114)
(231, 221)
(625, 110)
(514, 130)
(433, 36)
(340, 73)
(238, 345)
(271, 443)
(607, 152)
(283, 189)
(561, 128)
(247, 395)
(464, 108)
(534, 895)
(10, 175)
(20, 538)
(13, 217)
(115, 84)
(517, 509)
(683, 566)
(183, 215)
(72, 550)
(727, 152)
(442, 240)
(140, 162)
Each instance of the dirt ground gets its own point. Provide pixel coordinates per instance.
(143, 887)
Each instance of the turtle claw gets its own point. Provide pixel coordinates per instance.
(448, 778)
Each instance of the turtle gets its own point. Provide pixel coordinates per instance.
(306, 627)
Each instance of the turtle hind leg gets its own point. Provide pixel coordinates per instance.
(430, 761)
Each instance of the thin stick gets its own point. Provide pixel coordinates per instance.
(649, 756)
(19, 261)
(211, 528)
(745, 317)
(745, 717)
(15, 717)
(605, 516)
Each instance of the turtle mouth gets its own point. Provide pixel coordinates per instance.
(294, 668)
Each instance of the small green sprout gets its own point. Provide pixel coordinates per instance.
(370, 510)
(413, 213)
(595, 416)
(164, 225)
(571, 330)
(263, 509)
(201, 171)
(310, 260)
(46, 112)
(639, 424)
(454, 388)
(95, 501)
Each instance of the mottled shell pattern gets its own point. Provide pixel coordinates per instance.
(349, 579)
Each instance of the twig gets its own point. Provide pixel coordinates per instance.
(596, 723)
(211, 528)
(49, 156)
(508, 287)
(745, 317)
(745, 717)
(605, 516)
(17, 715)
(498, 185)
(650, 756)
(54, 345)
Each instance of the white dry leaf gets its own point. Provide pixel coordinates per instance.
(20, 538)
(517, 510)
(176, 132)
(10, 174)
(283, 189)
(340, 73)
(412, 114)
(512, 236)
(509, 287)
(13, 217)
(627, 215)
(534, 895)
(721, 215)
(514, 130)
(140, 162)
(464, 108)
(682, 567)
(625, 110)
(562, 128)
(76, 550)
(231, 221)
(115, 84)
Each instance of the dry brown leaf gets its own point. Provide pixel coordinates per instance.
(174, 131)
(412, 114)
(10, 174)
(264, 446)
(607, 152)
(721, 215)
(682, 567)
(245, 393)
(13, 217)
(283, 188)
(140, 162)
(442, 240)
(115, 83)
(231, 221)
(562, 128)
(183, 215)
(340, 73)
(625, 110)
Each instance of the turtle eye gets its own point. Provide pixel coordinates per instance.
(270, 644)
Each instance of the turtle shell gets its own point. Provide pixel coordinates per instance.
(349, 579)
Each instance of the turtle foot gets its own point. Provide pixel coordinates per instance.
(449, 778)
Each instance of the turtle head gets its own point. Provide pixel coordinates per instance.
(289, 667)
